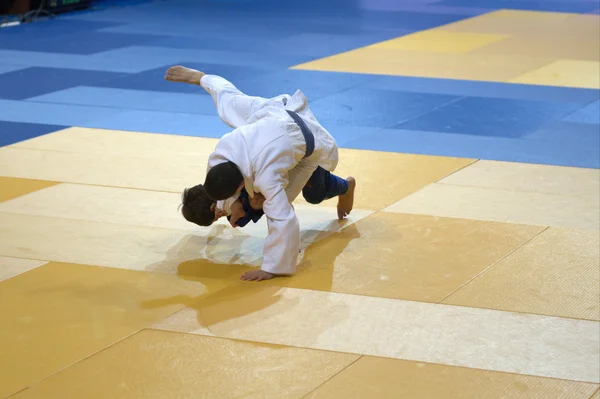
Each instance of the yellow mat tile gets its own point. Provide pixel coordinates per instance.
(93, 243)
(159, 173)
(559, 46)
(528, 177)
(476, 203)
(117, 142)
(156, 364)
(470, 66)
(11, 187)
(146, 208)
(451, 335)
(380, 378)
(503, 46)
(10, 267)
(439, 41)
(182, 169)
(596, 395)
(568, 73)
(583, 26)
(406, 256)
(58, 314)
(118, 244)
(557, 274)
(511, 22)
(384, 177)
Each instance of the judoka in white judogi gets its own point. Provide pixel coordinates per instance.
(269, 149)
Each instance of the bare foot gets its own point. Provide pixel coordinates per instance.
(346, 201)
(257, 275)
(183, 74)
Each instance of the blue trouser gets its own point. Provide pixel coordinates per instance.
(321, 186)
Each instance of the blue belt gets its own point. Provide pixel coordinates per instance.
(308, 135)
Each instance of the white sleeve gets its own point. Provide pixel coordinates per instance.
(282, 244)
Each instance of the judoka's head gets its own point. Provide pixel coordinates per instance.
(223, 181)
(197, 207)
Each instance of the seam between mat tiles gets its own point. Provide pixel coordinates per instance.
(32, 385)
(93, 221)
(137, 156)
(16, 393)
(287, 287)
(430, 110)
(492, 265)
(187, 113)
(369, 80)
(14, 145)
(597, 390)
(91, 184)
(333, 376)
(190, 231)
(361, 355)
(451, 173)
(510, 189)
(578, 109)
(116, 108)
(107, 107)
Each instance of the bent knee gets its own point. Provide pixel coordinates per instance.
(312, 196)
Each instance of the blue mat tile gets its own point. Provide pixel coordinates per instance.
(14, 132)
(121, 62)
(410, 20)
(568, 133)
(572, 6)
(125, 99)
(374, 108)
(25, 83)
(484, 89)
(478, 147)
(51, 114)
(10, 68)
(153, 80)
(588, 114)
(489, 117)
(347, 134)
(163, 122)
(86, 42)
(314, 84)
(315, 45)
(204, 42)
(51, 28)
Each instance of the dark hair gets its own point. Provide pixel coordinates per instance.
(223, 180)
(196, 206)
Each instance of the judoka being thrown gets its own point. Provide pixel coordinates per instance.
(276, 147)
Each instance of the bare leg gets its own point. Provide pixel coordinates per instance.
(183, 74)
(346, 201)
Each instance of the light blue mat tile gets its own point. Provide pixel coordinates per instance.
(10, 68)
(133, 100)
(163, 122)
(479, 147)
(588, 114)
(484, 89)
(52, 114)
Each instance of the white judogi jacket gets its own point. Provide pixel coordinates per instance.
(268, 147)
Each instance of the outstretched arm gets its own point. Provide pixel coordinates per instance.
(282, 244)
